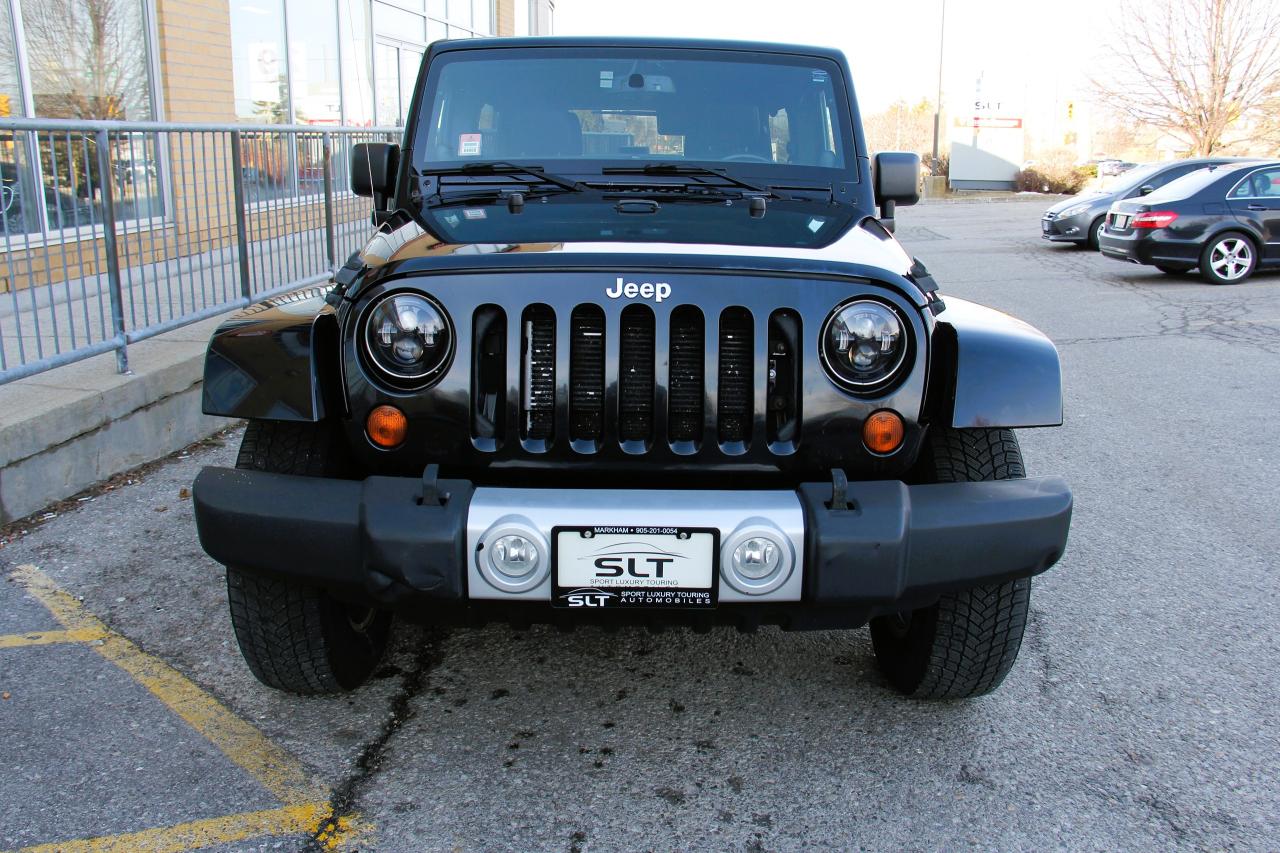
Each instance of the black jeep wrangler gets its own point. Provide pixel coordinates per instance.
(632, 343)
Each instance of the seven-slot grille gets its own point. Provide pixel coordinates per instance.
(614, 367)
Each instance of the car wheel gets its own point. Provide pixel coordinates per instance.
(1168, 270)
(294, 636)
(1228, 259)
(1095, 232)
(966, 643)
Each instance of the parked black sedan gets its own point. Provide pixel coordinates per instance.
(1079, 218)
(1224, 220)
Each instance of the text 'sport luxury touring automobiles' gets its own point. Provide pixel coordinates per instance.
(1224, 221)
(633, 343)
(1079, 219)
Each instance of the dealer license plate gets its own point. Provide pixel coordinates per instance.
(615, 567)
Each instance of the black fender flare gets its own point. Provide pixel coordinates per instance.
(992, 370)
(276, 360)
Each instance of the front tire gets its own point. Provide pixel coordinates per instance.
(1228, 259)
(1094, 240)
(966, 643)
(294, 636)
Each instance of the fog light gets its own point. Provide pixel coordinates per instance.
(514, 555)
(756, 558)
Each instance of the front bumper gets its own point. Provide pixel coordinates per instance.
(400, 542)
(1073, 229)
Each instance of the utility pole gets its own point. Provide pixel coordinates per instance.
(937, 104)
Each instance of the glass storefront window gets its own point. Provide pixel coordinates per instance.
(91, 60)
(88, 59)
(261, 66)
(482, 20)
(313, 63)
(357, 72)
(396, 22)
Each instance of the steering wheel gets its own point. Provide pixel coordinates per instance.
(747, 158)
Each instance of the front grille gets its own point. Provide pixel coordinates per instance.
(586, 373)
(635, 375)
(539, 351)
(684, 388)
(736, 350)
(639, 377)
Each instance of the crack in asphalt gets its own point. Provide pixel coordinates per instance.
(346, 795)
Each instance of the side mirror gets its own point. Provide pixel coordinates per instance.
(895, 180)
(373, 169)
(1146, 189)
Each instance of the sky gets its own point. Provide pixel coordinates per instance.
(1026, 50)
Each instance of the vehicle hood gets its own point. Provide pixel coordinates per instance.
(1099, 199)
(863, 250)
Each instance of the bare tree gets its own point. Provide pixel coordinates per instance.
(88, 58)
(1193, 68)
(902, 127)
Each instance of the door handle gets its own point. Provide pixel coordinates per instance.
(1258, 207)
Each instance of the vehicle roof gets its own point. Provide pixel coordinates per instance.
(615, 41)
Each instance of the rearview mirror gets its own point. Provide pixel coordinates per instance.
(895, 180)
(1146, 189)
(373, 169)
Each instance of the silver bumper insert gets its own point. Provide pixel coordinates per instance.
(744, 518)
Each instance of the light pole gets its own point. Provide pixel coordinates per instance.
(937, 104)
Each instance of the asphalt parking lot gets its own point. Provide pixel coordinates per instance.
(1144, 712)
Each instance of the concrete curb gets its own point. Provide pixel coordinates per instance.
(65, 430)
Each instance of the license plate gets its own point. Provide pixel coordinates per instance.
(606, 567)
(1044, 225)
(1119, 221)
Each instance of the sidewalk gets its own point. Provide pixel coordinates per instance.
(66, 429)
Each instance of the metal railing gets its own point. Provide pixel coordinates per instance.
(113, 232)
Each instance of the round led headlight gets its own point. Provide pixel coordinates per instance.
(864, 343)
(408, 338)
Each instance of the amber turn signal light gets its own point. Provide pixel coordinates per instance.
(883, 431)
(387, 426)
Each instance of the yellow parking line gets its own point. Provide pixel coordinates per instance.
(45, 638)
(199, 833)
(273, 767)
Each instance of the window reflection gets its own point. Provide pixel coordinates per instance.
(313, 63)
(258, 55)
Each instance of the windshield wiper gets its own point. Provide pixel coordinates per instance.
(499, 169)
(681, 170)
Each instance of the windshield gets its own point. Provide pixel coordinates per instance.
(633, 106)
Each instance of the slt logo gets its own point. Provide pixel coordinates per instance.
(588, 597)
(635, 559)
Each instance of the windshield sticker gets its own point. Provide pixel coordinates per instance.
(469, 145)
(819, 76)
(452, 219)
(815, 224)
(606, 79)
(474, 213)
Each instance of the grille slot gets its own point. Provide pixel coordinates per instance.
(538, 386)
(586, 373)
(488, 373)
(685, 392)
(737, 347)
(783, 423)
(635, 374)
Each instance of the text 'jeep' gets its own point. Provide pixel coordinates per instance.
(632, 343)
